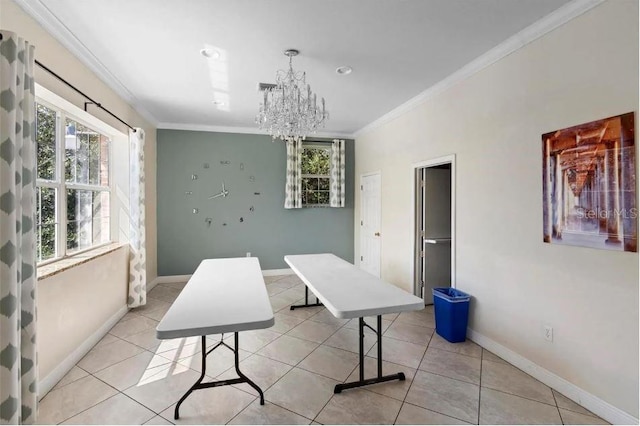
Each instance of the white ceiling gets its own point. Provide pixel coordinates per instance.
(397, 48)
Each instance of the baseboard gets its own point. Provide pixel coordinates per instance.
(591, 402)
(167, 279)
(151, 284)
(48, 383)
(272, 272)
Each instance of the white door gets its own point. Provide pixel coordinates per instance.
(370, 224)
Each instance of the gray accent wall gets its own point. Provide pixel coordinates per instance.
(255, 165)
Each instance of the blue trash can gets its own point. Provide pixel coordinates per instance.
(452, 313)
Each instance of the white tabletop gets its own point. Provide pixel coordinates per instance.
(222, 296)
(347, 291)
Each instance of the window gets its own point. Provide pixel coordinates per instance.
(316, 161)
(72, 187)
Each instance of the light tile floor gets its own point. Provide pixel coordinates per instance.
(130, 377)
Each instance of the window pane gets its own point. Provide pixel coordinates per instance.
(312, 197)
(313, 184)
(46, 241)
(87, 219)
(70, 147)
(46, 142)
(104, 161)
(315, 161)
(323, 197)
(46, 226)
(94, 159)
(306, 161)
(82, 154)
(323, 184)
(86, 155)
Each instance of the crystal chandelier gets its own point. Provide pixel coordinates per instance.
(289, 110)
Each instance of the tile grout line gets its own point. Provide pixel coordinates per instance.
(274, 404)
(557, 408)
(97, 403)
(296, 366)
(526, 397)
(438, 412)
(520, 396)
(122, 392)
(404, 401)
(480, 386)
(414, 375)
(292, 366)
(553, 392)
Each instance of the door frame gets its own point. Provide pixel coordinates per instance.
(447, 159)
(363, 175)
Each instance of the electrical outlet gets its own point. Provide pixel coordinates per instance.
(548, 332)
(248, 254)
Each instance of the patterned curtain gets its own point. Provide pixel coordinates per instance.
(337, 188)
(293, 186)
(137, 255)
(18, 367)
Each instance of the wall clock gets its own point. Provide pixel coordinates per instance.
(222, 193)
(231, 179)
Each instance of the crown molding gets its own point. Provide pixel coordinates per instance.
(244, 130)
(531, 33)
(50, 22)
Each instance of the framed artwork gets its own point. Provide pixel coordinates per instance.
(589, 185)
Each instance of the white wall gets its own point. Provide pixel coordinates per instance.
(71, 306)
(493, 121)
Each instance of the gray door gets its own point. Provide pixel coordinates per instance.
(433, 228)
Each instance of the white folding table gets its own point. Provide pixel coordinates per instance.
(349, 292)
(222, 296)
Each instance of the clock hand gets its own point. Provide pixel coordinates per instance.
(216, 196)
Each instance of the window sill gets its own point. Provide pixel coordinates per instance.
(53, 268)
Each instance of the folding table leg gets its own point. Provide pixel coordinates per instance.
(380, 378)
(306, 301)
(199, 385)
(242, 376)
(176, 413)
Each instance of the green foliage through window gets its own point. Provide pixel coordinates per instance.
(84, 187)
(316, 163)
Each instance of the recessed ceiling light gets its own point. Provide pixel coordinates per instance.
(344, 70)
(218, 103)
(210, 53)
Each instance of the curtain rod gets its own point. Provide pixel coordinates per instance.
(91, 101)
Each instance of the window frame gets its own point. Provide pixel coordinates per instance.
(61, 186)
(326, 146)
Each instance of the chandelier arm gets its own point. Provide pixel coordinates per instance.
(289, 110)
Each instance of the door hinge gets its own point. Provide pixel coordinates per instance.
(422, 234)
(361, 187)
(361, 224)
(421, 253)
(361, 258)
